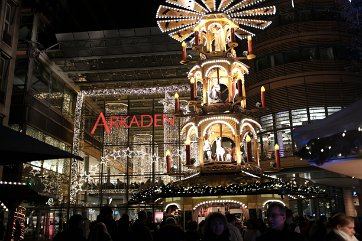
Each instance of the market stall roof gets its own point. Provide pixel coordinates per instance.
(334, 143)
(13, 192)
(349, 118)
(16, 147)
(218, 184)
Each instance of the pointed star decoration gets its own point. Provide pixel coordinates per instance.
(115, 155)
(86, 178)
(93, 169)
(128, 153)
(155, 158)
(104, 160)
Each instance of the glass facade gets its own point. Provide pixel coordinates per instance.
(277, 128)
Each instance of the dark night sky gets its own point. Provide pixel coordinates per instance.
(90, 15)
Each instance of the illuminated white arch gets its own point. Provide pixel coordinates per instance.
(219, 118)
(185, 126)
(218, 122)
(215, 61)
(212, 25)
(170, 204)
(241, 74)
(189, 131)
(251, 120)
(219, 201)
(274, 200)
(214, 66)
(251, 127)
(193, 69)
(242, 66)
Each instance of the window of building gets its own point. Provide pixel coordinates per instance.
(276, 59)
(309, 53)
(268, 145)
(317, 113)
(299, 117)
(4, 65)
(284, 140)
(267, 122)
(56, 94)
(8, 22)
(282, 120)
(332, 110)
(292, 55)
(326, 53)
(262, 63)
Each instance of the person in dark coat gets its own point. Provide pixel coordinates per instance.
(278, 229)
(74, 231)
(170, 231)
(140, 230)
(106, 216)
(215, 228)
(342, 228)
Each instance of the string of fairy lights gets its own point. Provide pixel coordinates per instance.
(273, 186)
(338, 146)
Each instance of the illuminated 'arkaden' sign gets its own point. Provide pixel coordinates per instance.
(132, 121)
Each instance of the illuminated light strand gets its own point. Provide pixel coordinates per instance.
(274, 200)
(176, 204)
(213, 67)
(220, 8)
(12, 183)
(174, 2)
(196, 68)
(219, 201)
(194, 14)
(207, 5)
(219, 122)
(250, 174)
(189, 131)
(274, 186)
(223, 117)
(215, 61)
(251, 127)
(251, 120)
(179, 30)
(185, 126)
(177, 27)
(242, 66)
(193, 175)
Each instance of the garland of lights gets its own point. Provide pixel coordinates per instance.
(339, 146)
(274, 186)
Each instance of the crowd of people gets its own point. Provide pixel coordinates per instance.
(280, 226)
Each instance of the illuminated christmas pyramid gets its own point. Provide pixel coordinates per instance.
(220, 130)
(220, 137)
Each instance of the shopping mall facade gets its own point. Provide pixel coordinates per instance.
(108, 96)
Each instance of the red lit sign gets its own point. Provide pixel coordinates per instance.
(132, 121)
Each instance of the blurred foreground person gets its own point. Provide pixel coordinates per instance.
(342, 228)
(100, 233)
(278, 229)
(215, 228)
(139, 230)
(74, 230)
